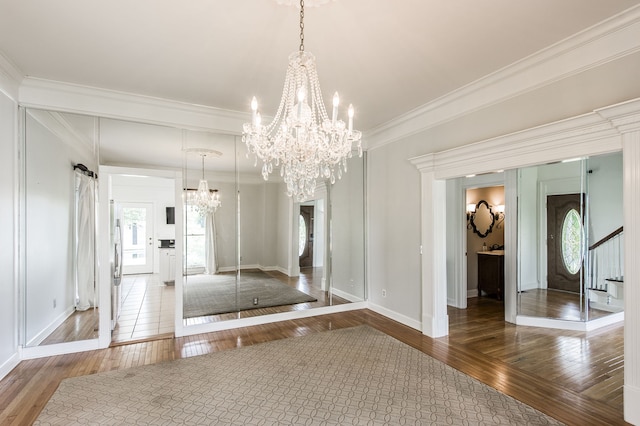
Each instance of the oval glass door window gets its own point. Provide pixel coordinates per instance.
(572, 241)
(302, 235)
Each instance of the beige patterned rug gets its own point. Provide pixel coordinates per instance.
(349, 376)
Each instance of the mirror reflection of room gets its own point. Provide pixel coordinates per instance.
(60, 271)
(572, 267)
(283, 256)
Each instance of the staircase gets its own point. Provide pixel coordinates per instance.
(606, 273)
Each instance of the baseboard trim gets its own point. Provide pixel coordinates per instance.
(9, 365)
(402, 319)
(57, 322)
(267, 319)
(347, 296)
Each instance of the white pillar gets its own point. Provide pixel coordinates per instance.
(631, 196)
(435, 321)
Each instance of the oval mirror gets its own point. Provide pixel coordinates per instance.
(483, 219)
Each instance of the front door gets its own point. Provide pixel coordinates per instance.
(306, 236)
(564, 242)
(137, 238)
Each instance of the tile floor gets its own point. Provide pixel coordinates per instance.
(147, 308)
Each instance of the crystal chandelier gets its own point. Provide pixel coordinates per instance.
(205, 201)
(302, 140)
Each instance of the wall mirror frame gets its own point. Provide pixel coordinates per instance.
(483, 219)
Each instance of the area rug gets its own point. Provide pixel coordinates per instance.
(216, 294)
(350, 376)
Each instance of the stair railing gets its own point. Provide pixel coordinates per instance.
(606, 261)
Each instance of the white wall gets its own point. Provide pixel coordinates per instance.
(605, 195)
(8, 188)
(528, 228)
(347, 233)
(394, 230)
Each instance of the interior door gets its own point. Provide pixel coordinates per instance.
(137, 238)
(564, 242)
(306, 236)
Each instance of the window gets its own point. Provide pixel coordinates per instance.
(302, 235)
(194, 238)
(572, 241)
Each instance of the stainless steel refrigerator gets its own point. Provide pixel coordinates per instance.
(115, 259)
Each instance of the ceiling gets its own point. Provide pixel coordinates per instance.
(386, 57)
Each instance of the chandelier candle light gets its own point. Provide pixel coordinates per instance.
(302, 139)
(205, 200)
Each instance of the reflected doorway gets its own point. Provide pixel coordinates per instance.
(137, 238)
(305, 247)
(564, 242)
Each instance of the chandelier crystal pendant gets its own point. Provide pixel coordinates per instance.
(204, 200)
(302, 139)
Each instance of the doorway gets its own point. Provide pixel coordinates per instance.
(137, 238)
(564, 242)
(485, 234)
(305, 246)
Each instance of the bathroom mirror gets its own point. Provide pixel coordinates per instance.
(483, 219)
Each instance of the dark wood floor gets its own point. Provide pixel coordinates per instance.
(557, 372)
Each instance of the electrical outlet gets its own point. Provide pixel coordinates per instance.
(384, 293)
(255, 300)
(54, 303)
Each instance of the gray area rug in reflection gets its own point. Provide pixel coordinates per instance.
(350, 376)
(216, 294)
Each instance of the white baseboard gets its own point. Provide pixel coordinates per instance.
(402, 319)
(472, 293)
(9, 365)
(57, 322)
(254, 266)
(631, 395)
(570, 325)
(266, 319)
(347, 296)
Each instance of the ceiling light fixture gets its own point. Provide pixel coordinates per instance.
(205, 200)
(302, 140)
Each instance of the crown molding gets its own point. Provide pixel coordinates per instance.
(599, 132)
(74, 98)
(10, 77)
(610, 40)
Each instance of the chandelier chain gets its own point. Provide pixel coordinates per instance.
(302, 25)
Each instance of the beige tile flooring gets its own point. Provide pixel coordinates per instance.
(147, 308)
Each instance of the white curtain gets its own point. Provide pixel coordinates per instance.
(211, 262)
(85, 246)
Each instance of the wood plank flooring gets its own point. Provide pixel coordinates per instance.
(557, 372)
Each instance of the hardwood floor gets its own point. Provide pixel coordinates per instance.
(148, 309)
(557, 372)
(556, 304)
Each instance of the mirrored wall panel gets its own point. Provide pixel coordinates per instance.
(261, 251)
(570, 239)
(58, 214)
(248, 248)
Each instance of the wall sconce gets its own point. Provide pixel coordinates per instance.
(471, 211)
(499, 214)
